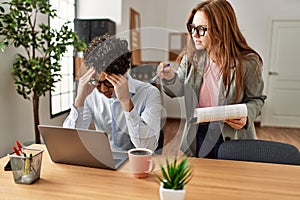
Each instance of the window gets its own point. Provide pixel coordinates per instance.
(62, 98)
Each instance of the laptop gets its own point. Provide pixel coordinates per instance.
(81, 147)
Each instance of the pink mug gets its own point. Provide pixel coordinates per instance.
(141, 162)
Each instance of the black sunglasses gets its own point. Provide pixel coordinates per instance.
(200, 30)
(98, 83)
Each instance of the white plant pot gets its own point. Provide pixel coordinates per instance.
(169, 194)
(79, 54)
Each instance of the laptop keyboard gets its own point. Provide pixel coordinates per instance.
(119, 158)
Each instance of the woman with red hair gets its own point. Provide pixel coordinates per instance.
(217, 68)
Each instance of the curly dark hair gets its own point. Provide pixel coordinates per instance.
(108, 53)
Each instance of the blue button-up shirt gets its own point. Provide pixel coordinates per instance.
(138, 128)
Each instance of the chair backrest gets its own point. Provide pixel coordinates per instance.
(143, 72)
(160, 145)
(259, 151)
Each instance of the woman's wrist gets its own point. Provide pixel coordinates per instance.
(170, 81)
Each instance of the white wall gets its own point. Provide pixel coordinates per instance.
(254, 17)
(153, 15)
(158, 18)
(94, 9)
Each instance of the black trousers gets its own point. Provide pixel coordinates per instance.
(210, 145)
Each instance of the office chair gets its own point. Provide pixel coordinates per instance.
(160, 145)
(259, 151)
(143, 72)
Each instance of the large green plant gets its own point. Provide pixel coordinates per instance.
(36, 70)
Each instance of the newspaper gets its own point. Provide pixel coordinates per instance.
(218, 113)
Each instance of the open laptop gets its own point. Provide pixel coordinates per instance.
(81, 147)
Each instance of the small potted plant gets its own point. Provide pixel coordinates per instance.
(174, 178)
(79, 47)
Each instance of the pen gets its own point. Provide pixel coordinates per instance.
(19, 146)
(16, 151)
(30, 159)
(157, 75)
(27, 164)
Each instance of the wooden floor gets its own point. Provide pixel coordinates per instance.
(286, 135)
(173, 130)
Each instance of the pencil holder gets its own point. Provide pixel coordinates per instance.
(26, 168)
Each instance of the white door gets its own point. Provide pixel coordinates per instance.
(282, 106)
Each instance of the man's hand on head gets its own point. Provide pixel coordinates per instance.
(120, 83)
(84, 88)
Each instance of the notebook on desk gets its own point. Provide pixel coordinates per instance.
(81, 147)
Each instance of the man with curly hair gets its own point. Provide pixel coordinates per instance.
(127, 109)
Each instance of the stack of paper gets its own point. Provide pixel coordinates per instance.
(218, 113)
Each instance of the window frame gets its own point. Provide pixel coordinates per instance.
(70, 73)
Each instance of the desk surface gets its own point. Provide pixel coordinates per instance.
(212, 179)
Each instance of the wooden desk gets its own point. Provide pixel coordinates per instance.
(213, 179)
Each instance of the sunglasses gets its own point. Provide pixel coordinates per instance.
(98, 83)
(200, 30)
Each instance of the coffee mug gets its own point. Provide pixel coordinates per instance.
(141, 162)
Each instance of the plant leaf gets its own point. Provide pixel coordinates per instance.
(176, 175)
